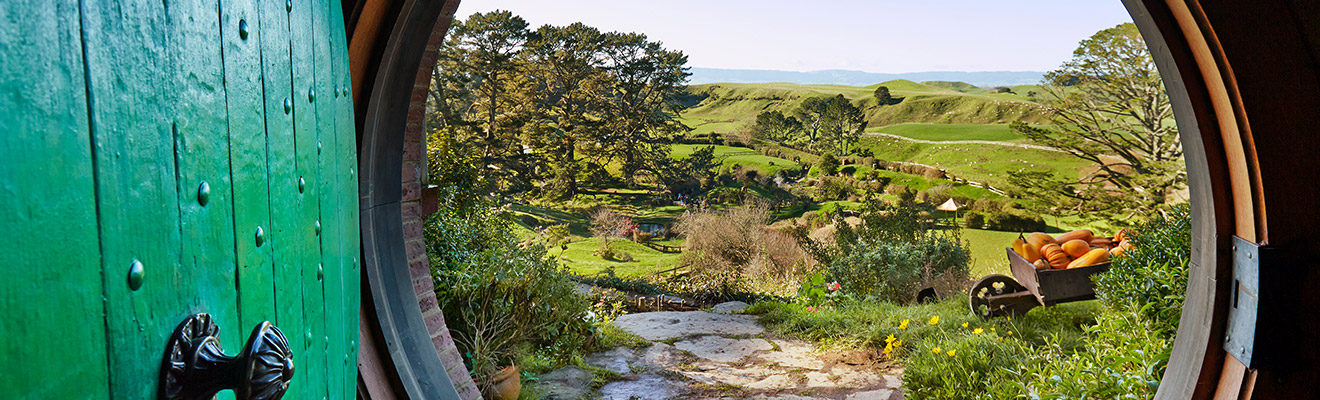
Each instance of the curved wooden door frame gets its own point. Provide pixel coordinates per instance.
(1227, 172)
(1246, 89)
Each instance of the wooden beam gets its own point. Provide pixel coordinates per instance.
(361, 47)
(1240, 170)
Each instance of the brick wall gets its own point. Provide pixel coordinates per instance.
(414, 153)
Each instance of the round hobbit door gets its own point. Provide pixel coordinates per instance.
(163, 160)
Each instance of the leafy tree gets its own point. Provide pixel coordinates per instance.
(810, 112)
(882, 96)
(841, 125)
(702, 164)
(474, 93)
(690, 173)
(646, 83)
(774, 126)
(1109, 107)
(828, 165)
(567, 77)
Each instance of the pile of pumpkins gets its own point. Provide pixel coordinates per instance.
(1076, 249)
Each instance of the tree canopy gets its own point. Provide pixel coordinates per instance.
(538, 109)
(1108, 106)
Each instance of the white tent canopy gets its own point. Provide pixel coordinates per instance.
(948, 206)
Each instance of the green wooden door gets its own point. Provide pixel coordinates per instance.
(165, 158)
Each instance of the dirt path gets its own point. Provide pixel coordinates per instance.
(705, 355)
(1009, 144)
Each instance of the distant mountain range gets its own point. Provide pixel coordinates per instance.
(859, 78)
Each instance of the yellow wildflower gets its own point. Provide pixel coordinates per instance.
(992, 329)
(977, 331)
(935, 350)
(903, 325)
(964, 324)
(951, 352)
(898, 344)
(889, 339)
(934, 320)
(1010, 332)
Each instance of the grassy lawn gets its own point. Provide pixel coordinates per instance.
(581, 260)
(978, 162)
(730, 105)
(948, 132)
(988, 255)
(868, 324)
(743, 156)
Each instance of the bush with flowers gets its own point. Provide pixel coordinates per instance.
(891, 253)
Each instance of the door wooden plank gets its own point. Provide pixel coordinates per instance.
(201, 157)
(351, 237)
(48, 224)
(247, 151)
(132, 109)
(286, 235)
(333, 203)
(300, 42)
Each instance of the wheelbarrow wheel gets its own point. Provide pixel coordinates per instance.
(998, 295)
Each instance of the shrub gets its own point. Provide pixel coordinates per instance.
(974, 220)
(609, 253)
(503, 300)
(828, 165)
(891, 254)
(722, 247)
(1152, 277)
(895, 271)
(1122, 357)
(1012, 222)
(605, 223)
(834, 188)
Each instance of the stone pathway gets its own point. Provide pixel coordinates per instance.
(721, 355)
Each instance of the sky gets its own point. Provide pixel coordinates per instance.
(885, 36)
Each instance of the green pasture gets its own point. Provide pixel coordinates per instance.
(951, 132)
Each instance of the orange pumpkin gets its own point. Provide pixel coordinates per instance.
(1090, 258)
(1083, 234)
(1040, 239)
(1055, 255)
(1076, 248)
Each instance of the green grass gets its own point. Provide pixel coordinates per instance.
(988, 256)
(729, 106)
(581, 260)
(867, 324)
(973, 161)
(742, 156)
(949, 132)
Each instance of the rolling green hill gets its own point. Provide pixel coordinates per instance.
(742, 156)
(724, 107)
(950, 132)
(988, 163)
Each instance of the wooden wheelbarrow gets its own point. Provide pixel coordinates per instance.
(996, 295)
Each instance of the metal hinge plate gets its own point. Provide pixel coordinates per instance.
(1255, 267)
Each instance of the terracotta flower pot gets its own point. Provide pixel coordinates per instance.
(504, 385)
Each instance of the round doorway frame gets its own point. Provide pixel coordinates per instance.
(1229, 168)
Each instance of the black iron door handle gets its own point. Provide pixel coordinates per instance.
(196, 367)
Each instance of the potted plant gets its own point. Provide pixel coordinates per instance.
(503, 385)
(488, 339)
